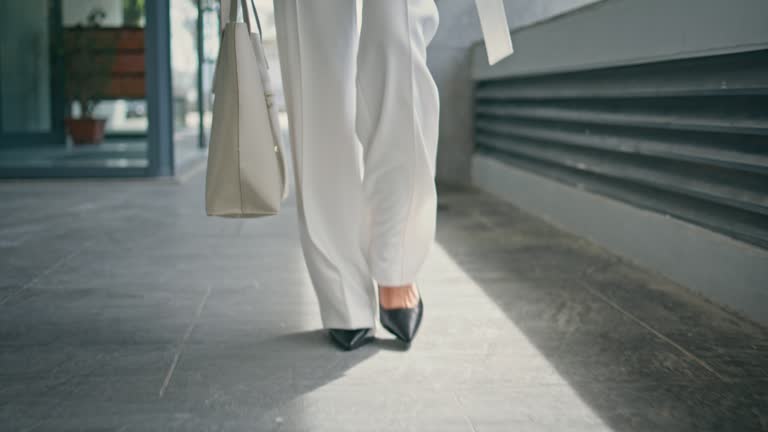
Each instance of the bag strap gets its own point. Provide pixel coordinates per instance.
(229, 13)
(256, 15)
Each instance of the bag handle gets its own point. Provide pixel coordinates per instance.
(229, 13)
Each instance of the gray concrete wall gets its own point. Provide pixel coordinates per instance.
(623, 32)
(449, 59)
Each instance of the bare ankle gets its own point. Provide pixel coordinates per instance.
(401, 296)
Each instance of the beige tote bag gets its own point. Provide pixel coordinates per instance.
(246, 174)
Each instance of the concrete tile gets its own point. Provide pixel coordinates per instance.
(521, 331)
(552, 407)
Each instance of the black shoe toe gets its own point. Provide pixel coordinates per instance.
(402, 322)
(349, 339)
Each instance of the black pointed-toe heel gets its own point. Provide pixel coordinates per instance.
(349, 339)
(402, 322)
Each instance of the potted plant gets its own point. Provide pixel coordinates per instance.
(133, 12)
(88, 62)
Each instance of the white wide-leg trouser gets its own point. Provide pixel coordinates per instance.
(363, 115)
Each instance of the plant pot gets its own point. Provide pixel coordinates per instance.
(86, 130)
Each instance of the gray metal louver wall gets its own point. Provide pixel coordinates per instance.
(688, 138)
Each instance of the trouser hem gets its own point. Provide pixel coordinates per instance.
(393, 281)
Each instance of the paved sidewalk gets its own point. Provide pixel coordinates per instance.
(124, 308)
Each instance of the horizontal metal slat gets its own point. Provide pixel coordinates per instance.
(733, 115)
(743, 225)
(685, 137)
(722, 187)
(735, 74)
(741, 152)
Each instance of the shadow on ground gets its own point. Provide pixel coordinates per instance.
(284, 368)
(640, 351)
(124, 308)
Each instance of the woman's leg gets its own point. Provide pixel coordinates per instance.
(317, 42)
(397, 122)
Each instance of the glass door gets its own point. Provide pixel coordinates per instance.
(28, 96)
(195, 30)
(102, 64)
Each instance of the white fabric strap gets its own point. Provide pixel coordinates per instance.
(493, 21)
(229, 14)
